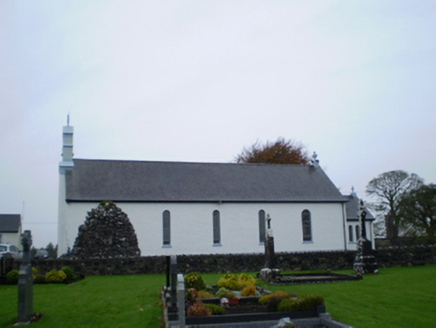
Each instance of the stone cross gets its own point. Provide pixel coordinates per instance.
(25, 282)
(362, 213)
(269, 246)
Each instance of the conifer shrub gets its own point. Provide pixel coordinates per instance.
(68, 272)
(248, 291)
(204, 294)
(224, 292)
(34, 273)
(215, 309)
(194, 280)
(199, 310)
(191, 295)
(278, 293)
(236, 282)
(301, 303)
(246, 280)
(55, 276)
(12, 277)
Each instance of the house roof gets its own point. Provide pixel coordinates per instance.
(145, 181)
(10, 223)
(352, 207)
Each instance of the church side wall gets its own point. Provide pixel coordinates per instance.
(192, 227)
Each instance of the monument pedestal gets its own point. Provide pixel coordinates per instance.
(269, 275)
(364, 262)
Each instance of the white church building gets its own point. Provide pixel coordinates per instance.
(209, 208)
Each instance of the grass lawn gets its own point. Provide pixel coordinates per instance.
(396, 297)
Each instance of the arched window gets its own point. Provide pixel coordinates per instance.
(350, 233)
(357, 232)
(262, 226)
(166, 222)
(307, 225)
(216, 228)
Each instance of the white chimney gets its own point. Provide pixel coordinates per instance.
(67, 148)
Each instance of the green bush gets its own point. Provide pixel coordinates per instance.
(265, 298)
(68, 272)
(191, 295)
(198, 310)
(248, 291)
(215, 309)
(194, 280)
(12, 277)
(236, 282)
(34, 273)
(301, 303)
(204, 294)
(39, 279)
(246, 280)
(55, 276)
(224, 292)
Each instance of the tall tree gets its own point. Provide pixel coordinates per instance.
(418, 209)
(52, 251)
(279, 152)
(389, 188)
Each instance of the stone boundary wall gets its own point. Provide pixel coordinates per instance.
(385, 257)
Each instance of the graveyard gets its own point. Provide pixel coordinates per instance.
(396, 297)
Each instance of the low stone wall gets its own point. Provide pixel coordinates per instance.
(385, 257)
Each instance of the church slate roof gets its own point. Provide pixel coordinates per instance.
(147, 181)
(10, 223)
(352, 206)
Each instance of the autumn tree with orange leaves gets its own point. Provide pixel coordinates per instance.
(279, 152)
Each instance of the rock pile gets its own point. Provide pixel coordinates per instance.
(107, 233)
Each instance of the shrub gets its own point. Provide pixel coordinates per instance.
(62, 275)
(287, 304)
(301, 303)
(236, 282)
(39, 279)
(69, 272)
(230, 281)
(248, 291)
(34, 273)
(224, 292)
(199, 310)
(246, 280)
(12, 277)
(194, 280)
(204, 294)
(265, 298)
(214, 308)
(191, 295)
(55, 276)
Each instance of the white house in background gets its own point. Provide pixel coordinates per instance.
(10, 229)
(205, 208)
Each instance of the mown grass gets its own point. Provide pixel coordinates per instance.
(396, 297)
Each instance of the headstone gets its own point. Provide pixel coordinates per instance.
(25, 282)
(365, 261)
(181, 302)
(172, 306)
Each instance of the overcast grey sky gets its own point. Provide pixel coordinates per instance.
(354, 81)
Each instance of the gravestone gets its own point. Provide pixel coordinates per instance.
(269, 272)
(25, 282)
(365, 261)
(172, 306)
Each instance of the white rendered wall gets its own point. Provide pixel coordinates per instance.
(352, 245)
(192, 233)
(12, 238)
